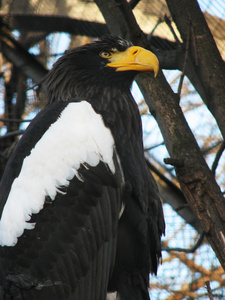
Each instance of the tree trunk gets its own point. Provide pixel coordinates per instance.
(203, 54)
(196, 180)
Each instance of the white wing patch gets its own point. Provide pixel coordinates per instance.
(78, 136)
(112, 296)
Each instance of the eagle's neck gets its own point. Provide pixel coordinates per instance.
(119, 111)
(109, 95)
(61, 86)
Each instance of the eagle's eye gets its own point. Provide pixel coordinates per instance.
(105, 54)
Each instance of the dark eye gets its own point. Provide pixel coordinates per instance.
(105, 54)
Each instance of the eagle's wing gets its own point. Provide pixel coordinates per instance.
(59, 205)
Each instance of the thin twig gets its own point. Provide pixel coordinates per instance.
(149, 36)
(14, 120)
(195, 47)
(154, 146)
(13, 133)
(168, 22)
(179, 208)
(185, 62)
(205, 151)
(218, 156)
(191, 250)
(207, 283)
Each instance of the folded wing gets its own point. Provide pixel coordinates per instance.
(60, 203)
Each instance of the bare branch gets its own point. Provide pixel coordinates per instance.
(171, 194)
(196, 180)
(207, 283)
(218, 156)
(22, 59)
(168, 22)
(14, 120)
(12, 133)
(191, 250)
(185, 63)
(202, 50)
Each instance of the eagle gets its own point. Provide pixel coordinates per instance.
(80, 213)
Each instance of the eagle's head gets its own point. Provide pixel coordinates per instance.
(85, 71)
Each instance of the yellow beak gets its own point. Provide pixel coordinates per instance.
(134, 59)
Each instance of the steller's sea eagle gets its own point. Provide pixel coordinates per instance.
(80, 213)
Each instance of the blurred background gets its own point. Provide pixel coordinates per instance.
(44, 29)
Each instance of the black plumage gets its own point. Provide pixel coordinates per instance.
(101, 230)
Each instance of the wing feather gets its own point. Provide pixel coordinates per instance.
(70, 252)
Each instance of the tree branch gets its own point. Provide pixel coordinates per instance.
(202, 50)
(5, 120)
(22, 59)
(53, 23)
(172, 195)
(196, 180)
(218, 156)
(207, 283)
(186, 250)
(12, 133)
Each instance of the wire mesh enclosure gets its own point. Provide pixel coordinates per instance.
(190, 268)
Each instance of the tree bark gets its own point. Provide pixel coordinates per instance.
(22, 59)
(172, 195)
(203, 54)
(196, 180)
